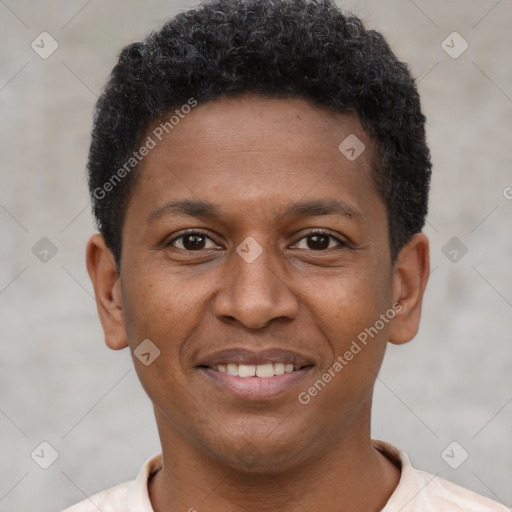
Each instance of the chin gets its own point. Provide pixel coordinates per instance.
(263, 454)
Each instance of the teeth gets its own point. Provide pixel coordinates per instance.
(232, 369)
(278, 368)
(260, 370)
(265, 370)
(246, 370)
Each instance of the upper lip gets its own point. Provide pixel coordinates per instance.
(247, 357)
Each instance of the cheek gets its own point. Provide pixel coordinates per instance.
(164, 310)
(164, 307)
(347, 306)
(349, 316)
(159, 305)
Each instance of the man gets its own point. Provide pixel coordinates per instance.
(260, 175)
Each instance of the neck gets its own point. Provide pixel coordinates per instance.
(351, 474)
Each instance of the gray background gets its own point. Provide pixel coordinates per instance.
(60, 384)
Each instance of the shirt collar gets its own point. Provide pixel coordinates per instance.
(408, 493)
(407, 490)
(138, 498)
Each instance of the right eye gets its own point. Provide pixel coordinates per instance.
(192, 241)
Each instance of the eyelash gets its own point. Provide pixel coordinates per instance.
(341, 243)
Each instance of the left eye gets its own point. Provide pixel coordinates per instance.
(319, 241)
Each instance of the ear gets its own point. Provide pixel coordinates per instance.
(103, 272)
(410, 275)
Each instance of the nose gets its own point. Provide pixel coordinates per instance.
(255, 293)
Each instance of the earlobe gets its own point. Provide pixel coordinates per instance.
(102, 270)
(411, 272)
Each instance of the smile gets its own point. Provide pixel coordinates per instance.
(259, 370)
(255, 375)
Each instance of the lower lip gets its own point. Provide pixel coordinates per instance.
(256, 388)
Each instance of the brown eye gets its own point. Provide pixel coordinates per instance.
(319, 241)
(193, 241)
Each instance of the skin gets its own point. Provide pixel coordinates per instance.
(252, 157)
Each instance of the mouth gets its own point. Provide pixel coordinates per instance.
(265, 370)
(255, 376)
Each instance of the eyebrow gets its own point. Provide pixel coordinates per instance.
(208, 211)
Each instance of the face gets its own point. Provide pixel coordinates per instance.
(252, 244)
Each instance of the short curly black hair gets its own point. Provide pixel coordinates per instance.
(277, 48)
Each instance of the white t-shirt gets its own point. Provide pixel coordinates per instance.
(417, 491)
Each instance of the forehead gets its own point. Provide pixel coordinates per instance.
(251, 123)
(260, 153)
